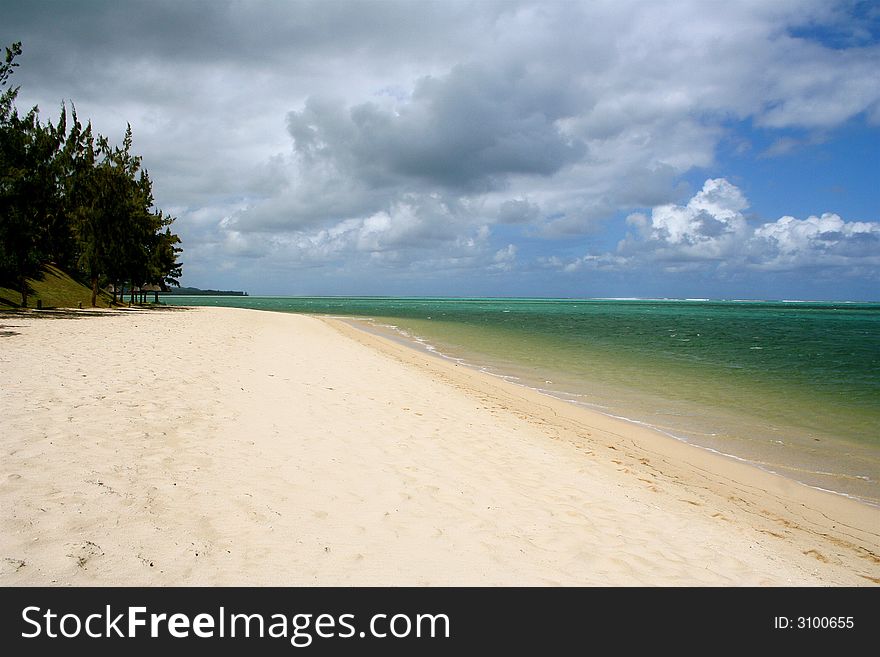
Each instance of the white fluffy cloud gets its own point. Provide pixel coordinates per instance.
(827, 241)
(505, 258)
(713, 213)
(711, 232)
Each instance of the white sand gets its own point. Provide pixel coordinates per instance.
(235, 447)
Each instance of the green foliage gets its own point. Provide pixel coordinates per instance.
(7, 66)
(29, 177)
(68, 197)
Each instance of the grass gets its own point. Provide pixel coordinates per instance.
(56, 290)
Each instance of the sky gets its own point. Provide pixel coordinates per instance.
(691, 148)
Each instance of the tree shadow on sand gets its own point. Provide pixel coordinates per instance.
(73, 313)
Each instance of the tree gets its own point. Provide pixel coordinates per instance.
(135, 224)
(67, 196)
(6, 67)
(165, 270)
(19, 235)
(59, 242)
(30, 189)
(88, 187)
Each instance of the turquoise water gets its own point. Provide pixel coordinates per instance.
(791, 387)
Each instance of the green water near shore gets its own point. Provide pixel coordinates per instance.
(791, 387)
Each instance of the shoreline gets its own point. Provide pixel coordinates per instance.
(234, 447)
(648, 438)
(397, 335)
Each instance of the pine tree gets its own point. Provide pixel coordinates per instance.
(67, 196)
(30, 185)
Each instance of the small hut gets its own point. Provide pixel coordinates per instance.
(151, 287)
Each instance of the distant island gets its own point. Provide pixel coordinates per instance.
(193, 291)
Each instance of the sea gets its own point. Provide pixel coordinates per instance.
(792, 387)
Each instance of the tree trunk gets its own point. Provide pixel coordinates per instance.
(94, 291)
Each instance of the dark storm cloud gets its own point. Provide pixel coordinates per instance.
(467, 130)
(65, 36)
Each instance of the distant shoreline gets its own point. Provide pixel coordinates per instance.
(197, 292)
(182, 292)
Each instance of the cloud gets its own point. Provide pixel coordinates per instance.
(413, 135)
(465, 131)
(505, 258)
(826, 241)
(517, 211)
(602, 262)
(413, 235)
(711, 232)
(706, 227)
(785, 145)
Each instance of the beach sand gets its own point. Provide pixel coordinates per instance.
(219, 446)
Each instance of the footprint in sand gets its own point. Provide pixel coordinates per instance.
(9, 565)
(84, 552)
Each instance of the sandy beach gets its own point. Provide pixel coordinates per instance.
(218, 446)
